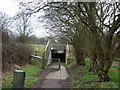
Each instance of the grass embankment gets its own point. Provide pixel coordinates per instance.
(31, 70)
(41, 49)
(30, 79)
(82, 78)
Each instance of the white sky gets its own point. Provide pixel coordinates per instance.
(10, 7)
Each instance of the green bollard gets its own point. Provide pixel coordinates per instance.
(18, 79)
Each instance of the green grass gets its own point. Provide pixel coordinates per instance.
(31, 70)
(89, 76)
(114, 74)
(88, 62)
(116, 66)
(30, 79)
(71, 64)
(82, 78)
(41, 49)
(7, 83)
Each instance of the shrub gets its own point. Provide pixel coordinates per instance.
(15, 53)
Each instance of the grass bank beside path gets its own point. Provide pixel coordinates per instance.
(30, 79)
(80, 77)
(31, 70)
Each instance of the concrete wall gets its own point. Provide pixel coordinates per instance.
(51, 46)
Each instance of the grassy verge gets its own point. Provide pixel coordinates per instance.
(71, 63)
(30, 79)
(31, 70)
(82, 78)
(116, 66)
(41, 49)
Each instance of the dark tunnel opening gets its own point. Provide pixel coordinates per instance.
(56, 54)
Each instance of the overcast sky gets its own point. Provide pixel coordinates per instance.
(10, 7)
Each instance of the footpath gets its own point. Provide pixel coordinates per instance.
(54, 79)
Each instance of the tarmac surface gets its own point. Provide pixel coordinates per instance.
(54, 79)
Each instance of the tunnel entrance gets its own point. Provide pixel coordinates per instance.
(58, 54)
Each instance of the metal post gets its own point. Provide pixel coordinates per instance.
(59, 63)
(19, 78)
(43, 63)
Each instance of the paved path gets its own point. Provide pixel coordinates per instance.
(60, 74)
(50, 83)
(55, 79)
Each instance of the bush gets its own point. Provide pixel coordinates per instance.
(15, 53)
(12, 52)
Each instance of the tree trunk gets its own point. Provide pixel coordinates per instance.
(103, 70)
(93, 67)
(79, 57)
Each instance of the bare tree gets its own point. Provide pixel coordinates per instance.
(103, 20)
(63, 22)
(103, 24)
(23, 27)
(12, 51)
(5, 22)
